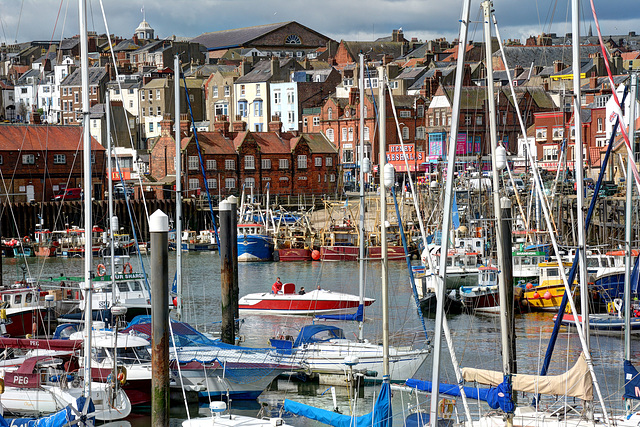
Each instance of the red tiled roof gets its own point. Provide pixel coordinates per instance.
(43, 137)
(215, 143)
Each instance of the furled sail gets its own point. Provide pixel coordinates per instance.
(576, 382)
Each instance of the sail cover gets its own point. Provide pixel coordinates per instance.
(631, 381)
(496, 397)
(576, 382)
(379, 417)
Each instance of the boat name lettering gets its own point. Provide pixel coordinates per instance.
(103, 304)
(19, 379)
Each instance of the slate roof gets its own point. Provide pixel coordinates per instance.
(208, 69)
(374, 50)
(96, 74)
(542, 55)
(261, 72)
(125, 45)
(617, 80)
(539, 96)
(69, 43)
(586, 65)
(236, 37)
(471, 98)
(22, 81)
(41, 138)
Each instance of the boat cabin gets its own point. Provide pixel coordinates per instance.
(250, 229)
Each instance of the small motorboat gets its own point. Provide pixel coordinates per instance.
(289, 302)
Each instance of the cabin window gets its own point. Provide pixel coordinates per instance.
(123, 287)
(6, 298)
(526, 261)
(516, 261)
(135, 286)
(17, 299)
(553, 272)
(98, 354)
(449, 262)
(28, 298)
(592, 262)
(471, 262)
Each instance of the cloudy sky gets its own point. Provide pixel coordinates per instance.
(24, 20)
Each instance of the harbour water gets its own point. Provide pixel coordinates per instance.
(476, 337)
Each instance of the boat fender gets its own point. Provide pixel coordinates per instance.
(127, 269)
(101, 270)
(1, 385)
(122, 375)
(536, 295)
(547, 295)
(617, 304)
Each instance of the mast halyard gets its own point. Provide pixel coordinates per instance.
(178, 167)
(361, 269)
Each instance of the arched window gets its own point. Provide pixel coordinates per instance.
(330, 113)
(330, 134)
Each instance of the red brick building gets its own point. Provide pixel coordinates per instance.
(37, 161)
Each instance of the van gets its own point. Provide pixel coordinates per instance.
(69, 194)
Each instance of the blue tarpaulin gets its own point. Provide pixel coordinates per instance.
(631, 381)
(379, 417)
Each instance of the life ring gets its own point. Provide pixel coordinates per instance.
(101, 270)
(126, 267)
(26, 239)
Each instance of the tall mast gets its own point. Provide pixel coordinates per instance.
(362, 200)
(383, 219)
(628, 231)
(86, 158)
(446, 215)
(505, 303)
(178, 165)
(113, 222)
(578, 166)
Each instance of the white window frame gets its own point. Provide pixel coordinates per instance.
(193, 162)
(316, 121)
(28, 159)
(318, 161)
(330, 135)
(250, 182)
(302, 161)
(212, 183)
(283, 163)
(328, 161)
(59, 159)
(266, 163)
(344, 134)
(229, 183)
(230, 164)
(194, 183)
(212, 164)
(249, 162)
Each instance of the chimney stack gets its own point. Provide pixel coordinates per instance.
(166, 125)
(221, 124)
(185, 125)
(275, 125)
(275, 67)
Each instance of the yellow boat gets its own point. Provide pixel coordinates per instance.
(547, 295)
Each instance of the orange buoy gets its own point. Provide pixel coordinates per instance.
(547, 295)
(536, 295)
(529, 285)
(315, 255)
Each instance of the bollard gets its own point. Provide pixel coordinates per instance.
(226, 270)
(159, 229)
(234, 256)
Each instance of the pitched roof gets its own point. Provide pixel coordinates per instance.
(471, 98)
(318, 143)
(542, 55)
(236, 37)
(374, 50)
(96, 74)
(43, 137)
(216, 143)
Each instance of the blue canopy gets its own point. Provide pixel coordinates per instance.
(311, 333)
(380, 417)
(358, 316)
(635, 278)
(496, 397)
(631, 381)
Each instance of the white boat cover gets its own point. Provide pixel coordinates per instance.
(576, 382)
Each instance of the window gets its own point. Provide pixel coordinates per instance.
(405, 133)
(266, 163)
(142, 111)
(230, 164)
(158, 111)
(229, 183)
(243, 91)
(305, 122)
(28, 159)
(250, 182)
(366, 133)
(332, 178)
(150, 126)
(242, 108)
(541, 133)
(347, 156)
(283, 164)
(558, 133)
(393, 85)
(478, 120)
(550, 153)
(191, 97)
(600, 128)
(330, 135)
(193, 162)
(59, 159)
(291, 117)
(328, 161)
(212, 183)
(420, 111)
(318, 161)
(350, 134)
(211, 165)
(290, 97)
(215, 91)
(467, 120)
(257, 109)
(302, 161)
(157, 93)
(249, 162)
(330, 113)
(194, 183)
(227, 91)
(421, 132)
(75, 96)
(64, 91)
(316, 121)
(258, 91)
(405, 114)
(142, 95)
(131, 103)
(344, 134)
(277, 97)
(348, 81)
(221, 109)
(1, 160)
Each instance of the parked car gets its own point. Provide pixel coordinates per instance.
(68, 194)
(119, 191)
(517, 185)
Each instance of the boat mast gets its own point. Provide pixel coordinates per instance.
(113, 222)
(362, 201)
(505, 303)
(178, 166)
(88, 241)
(627, 233)
(579, 165)
(446, 216)
(383, 219)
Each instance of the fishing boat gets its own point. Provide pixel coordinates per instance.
(547, 294)
(23, 309)
(339, 238)
(294, 237)
(204, 241)
(71, 241)
(254, 243)
(525, 266)
(289, 302)
(43, 244)
(484, 297)
(604, 324)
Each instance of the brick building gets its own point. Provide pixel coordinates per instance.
(41, 160)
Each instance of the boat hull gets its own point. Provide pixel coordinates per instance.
(255, 248)
(604, 324)
(294, 254)
(339, 253)
(395, 253)
(314, 302)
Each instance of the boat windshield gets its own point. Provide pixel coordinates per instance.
(133, 355)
